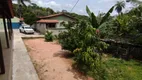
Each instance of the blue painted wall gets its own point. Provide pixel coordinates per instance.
(15, 25)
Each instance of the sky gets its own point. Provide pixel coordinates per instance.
(96, 6)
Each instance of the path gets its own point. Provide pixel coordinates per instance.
(50, 61)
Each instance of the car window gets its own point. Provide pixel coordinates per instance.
(28, 28)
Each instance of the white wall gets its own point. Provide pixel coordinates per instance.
(41, 27)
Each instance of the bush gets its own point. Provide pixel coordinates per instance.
(48, 36)
(55, 37)
(90, 63)
(83, 41)
(81, 35)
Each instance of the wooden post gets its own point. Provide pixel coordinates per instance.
(6, 35)
(2, 68)
(9, 30)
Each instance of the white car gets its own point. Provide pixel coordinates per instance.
(26, 29)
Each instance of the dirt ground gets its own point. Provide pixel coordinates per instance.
(51, 62)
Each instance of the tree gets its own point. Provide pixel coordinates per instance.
(49, 11)
(30, 18)
(20, 3)
(134, 1)
(64, 11)
(119, 6)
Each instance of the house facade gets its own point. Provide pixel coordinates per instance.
(53, 23)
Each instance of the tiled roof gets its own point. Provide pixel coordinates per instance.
(54, 15)
(47, 21)
(21, 19)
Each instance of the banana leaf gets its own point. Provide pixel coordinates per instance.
(106, 15)
(88, 11)
(94, 21)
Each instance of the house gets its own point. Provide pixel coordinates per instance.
(53, 23)
(6, 13)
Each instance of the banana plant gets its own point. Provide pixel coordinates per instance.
(92, 18)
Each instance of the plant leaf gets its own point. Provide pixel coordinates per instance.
(106, 15)
(88, 11)
(94, 21)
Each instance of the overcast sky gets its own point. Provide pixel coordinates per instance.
(95, 5)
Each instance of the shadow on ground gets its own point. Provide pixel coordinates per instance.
(63, 54)
(66, 54)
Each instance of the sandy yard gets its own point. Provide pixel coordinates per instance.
(51, 62)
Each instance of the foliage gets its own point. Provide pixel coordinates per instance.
(98, 24)
(106, 67)
(119, 6)
(30, 18)
(124, 28)
(31, 12)
(83, 40)
(48, 36)
(22, 2)
(40, 11)
(78, 17)
(93, 20)
(90, 63)
(81, 35)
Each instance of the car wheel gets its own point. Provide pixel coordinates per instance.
(25, 32)
(20, 31)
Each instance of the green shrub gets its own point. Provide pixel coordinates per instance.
(83, 41)
(55, 37)
(48, 36)
(82, 35)
(90, 63)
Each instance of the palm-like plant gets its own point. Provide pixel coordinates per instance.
(119, 6)
(93, 20)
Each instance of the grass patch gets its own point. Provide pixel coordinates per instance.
(114, 69)
(118, 69)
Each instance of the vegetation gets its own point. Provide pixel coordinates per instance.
(118, 69)
(83, 39)
(49, 36)
(119, 6)
(22, 2)
(31, 12)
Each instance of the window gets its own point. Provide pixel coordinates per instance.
(51, 25)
